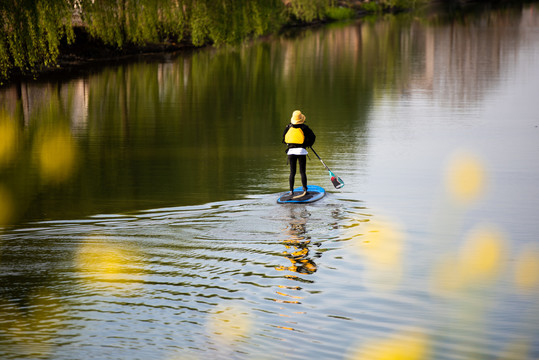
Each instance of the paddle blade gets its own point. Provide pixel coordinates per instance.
(337, 181)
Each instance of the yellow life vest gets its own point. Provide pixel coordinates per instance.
(294, 136)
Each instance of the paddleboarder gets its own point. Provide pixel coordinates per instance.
(298, 137)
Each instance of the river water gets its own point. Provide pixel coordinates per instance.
(139, 209)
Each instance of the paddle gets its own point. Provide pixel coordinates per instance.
(337, 181)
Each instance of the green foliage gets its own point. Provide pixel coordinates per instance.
(372, 7)
(4, 61)
(308, 10)
(31, 30)
(121, 22)
(230, 21)
(340, 13)
(199, 22)
(30, 33)
(377, 6)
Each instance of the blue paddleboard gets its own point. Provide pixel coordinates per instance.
(314, 193)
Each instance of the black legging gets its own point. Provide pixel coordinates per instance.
(292, 160)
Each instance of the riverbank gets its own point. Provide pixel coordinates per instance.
(40, 39)
(86, 51)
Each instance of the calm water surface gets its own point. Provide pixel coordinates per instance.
(139, 200)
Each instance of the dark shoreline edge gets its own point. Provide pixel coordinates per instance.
(87, 54)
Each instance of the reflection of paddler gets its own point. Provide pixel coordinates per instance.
(302, 264)
(298, 137)
(298, 247)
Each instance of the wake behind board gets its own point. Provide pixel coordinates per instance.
(314, 193)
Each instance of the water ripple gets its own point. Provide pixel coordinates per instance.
(221, 280)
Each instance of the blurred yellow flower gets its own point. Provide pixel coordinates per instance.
(465, 177)
(228, 324)
(8, 139)
(56, 152)
(480, 259)
(98, 261)
(380, 243)
(410, 345)
(527, 268)
(518, 349)
(483, 253)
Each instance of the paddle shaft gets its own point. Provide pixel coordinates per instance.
(322, 161)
